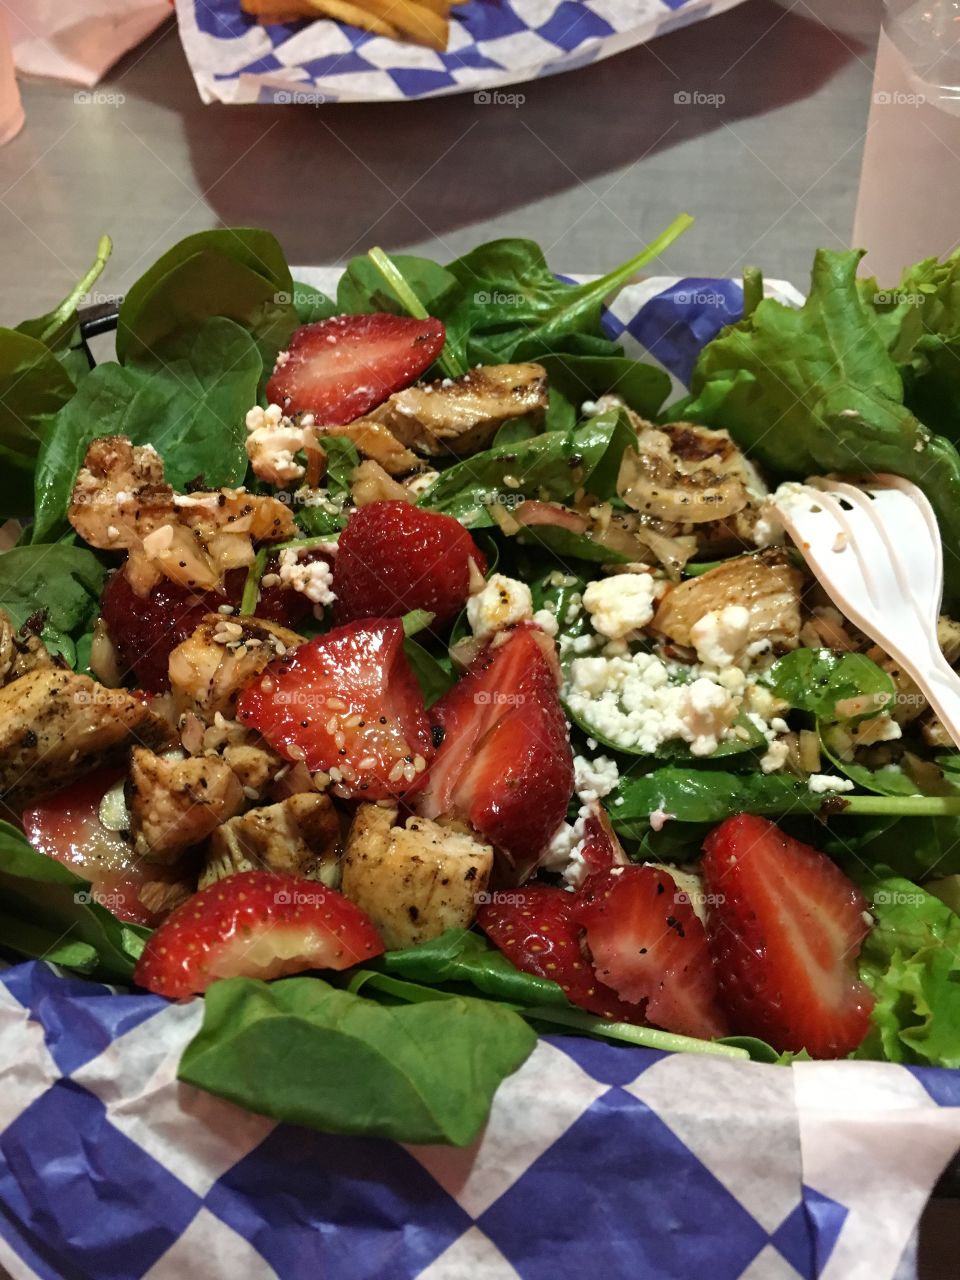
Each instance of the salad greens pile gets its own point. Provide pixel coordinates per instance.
(414, 1045)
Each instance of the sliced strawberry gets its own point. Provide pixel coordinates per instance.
(66, 825)
(256, 924)
(647, 944)
(536, 928)
(394, 557)
(786, 930)
(342, 368)
(600, 848)
(349, 704)
(505, 763)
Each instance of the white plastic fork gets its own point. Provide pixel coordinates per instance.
(875, 548)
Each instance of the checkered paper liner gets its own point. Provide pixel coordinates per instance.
(598, 1159)
(493, 43)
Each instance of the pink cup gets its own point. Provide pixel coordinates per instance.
(11, 108)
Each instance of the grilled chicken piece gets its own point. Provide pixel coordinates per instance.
(766, 585)
(688, 479)
(299, 836)
(20, 651)
(415, 881)
(175, 804)
(462, 415)
(56, 726)
(376, 442)
(226, 652)
(370, 483)
(121, 502)
(254, 766)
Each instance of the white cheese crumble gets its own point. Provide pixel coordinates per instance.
(503, 602)
(546, 621)
(720, 636)
(621, 604)
(632, 700)
(821, 783)
(272, 442)
(313, 579)
(596, 778)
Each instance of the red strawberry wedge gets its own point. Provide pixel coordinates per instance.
(648, 944)
(256, 924)
(346, 703)
(786, 930)
(536, 929)
(505, 763)
(340, 369)
(600, 848)
(394, 557)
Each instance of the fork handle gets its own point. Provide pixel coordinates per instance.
(941, 684)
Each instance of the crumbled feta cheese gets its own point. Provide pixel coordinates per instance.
(313, 579)
(635, 701)
(767, 532)
(546, 621)
(659, 818)
(720, 636)
(503, 602)
(564, 853)
(621, 604)
(596, 778)
(821, 783)
(272, 443)
(775, 756)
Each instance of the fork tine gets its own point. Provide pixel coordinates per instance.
(855, 539)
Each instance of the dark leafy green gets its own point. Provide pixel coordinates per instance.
(240, 274)
(552, 466)
(61, 579)
(311, 305)
(342, 458)
(307, 1053)
(815, 680)
(58, 328)
(434, 675)
(189, 401)
(47, 901)
(34, 386)
(911, 961)
(574, 379)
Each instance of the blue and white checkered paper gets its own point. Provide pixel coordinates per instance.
(492, 43)
(598, 1159)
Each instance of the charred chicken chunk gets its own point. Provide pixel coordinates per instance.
(56, 725)
(414, 881)
(688, 479)
(462, 415)
(176, 804)
(299, 836)
(224, 653)
(121, 502)
(733, 611)
(20, 651)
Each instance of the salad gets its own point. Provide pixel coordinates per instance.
(410, 672)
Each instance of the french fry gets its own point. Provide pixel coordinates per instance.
(344, 11)
(412, 20)
(277, 10)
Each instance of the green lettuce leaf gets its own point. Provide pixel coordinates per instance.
(815, 680)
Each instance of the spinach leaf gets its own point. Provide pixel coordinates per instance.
(816, 680)
(911, 961)
(189, 401)
(363, 289)
(34, 386)
(240, 274)
(61, 579)
(824, 376)
(47, 901)
(307, 1053)
(434, 675)
(518, 309)
(563, 545)
(707, 796)
(552, 466)
(57, 329)
(311, 305)
(642, 387)
(342, 459)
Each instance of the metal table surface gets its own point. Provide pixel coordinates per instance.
(592, 164)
